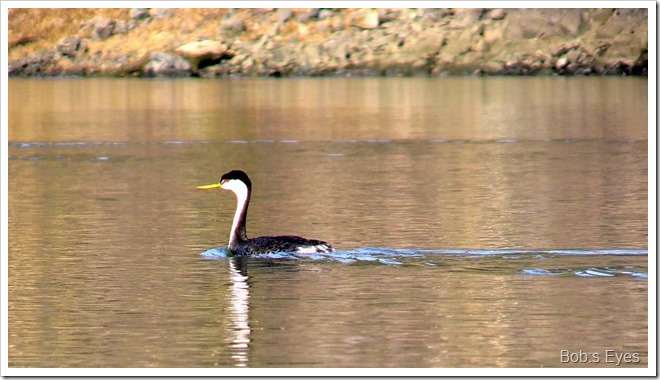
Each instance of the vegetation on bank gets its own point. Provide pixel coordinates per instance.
(312, 41)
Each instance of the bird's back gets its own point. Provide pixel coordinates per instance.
(273, 244)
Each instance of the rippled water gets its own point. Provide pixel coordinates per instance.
(425, 257)
(478, 222)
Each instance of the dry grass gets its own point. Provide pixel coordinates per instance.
(34, 30)
(28, 37)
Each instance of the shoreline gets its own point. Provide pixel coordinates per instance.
(319, 42)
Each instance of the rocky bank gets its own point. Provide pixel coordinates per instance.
(332, 42)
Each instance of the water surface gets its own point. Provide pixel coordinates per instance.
(479, 222)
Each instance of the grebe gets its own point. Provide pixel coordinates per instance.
(239, 244)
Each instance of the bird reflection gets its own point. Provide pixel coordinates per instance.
(239, 308)
(239, 330)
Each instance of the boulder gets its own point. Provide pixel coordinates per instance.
(284, 14)
(42, 64)
(368, 19)
(103, 28)
(204, 53)
(308, 15)
(138, 13)
(132, 65)
(167, 64)
(71, 46)
(497, 14)
(123, 27)
(324, 13)
(202, 49)
(232, 26)
(465, 18)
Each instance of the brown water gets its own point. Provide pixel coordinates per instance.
(479, 222)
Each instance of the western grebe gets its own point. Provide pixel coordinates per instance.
(239, 244)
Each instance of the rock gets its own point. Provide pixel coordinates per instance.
(103, 28)
(207, 52)
(464, 18)
(561, 63)
(492, 35)
(261, 11)
(641, 65)
(573, 55)
(167, 64)
(38, 65)
(203, 49)
(70, 68)
(524, 64)
(247, 66)
(336, 48)
(138, 13)
(284, 14)
(162, 12)
(124, 27)
(309, 15)
(131, 65)
(281, 61)
(311, 57)
(324, 13)
(566, 48)
(232, 26)
(497, 14)
(427, 42)
(387, 15)
(615, 68)
(71, 46)
(440, 13)
(368, 19)
(602, 48)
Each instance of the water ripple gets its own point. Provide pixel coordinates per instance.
(368, 253)
(587, 272)
(73, 143)
(447, 257)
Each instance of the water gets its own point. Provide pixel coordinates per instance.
(478, 222)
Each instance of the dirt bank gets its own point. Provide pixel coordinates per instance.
(315, 42)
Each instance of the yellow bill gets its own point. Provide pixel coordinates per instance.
(212, 186)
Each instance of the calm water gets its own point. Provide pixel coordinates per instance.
(479, 222)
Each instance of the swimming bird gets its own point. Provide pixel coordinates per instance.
(239, 183)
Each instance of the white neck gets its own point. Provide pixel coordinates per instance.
(241, 191)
